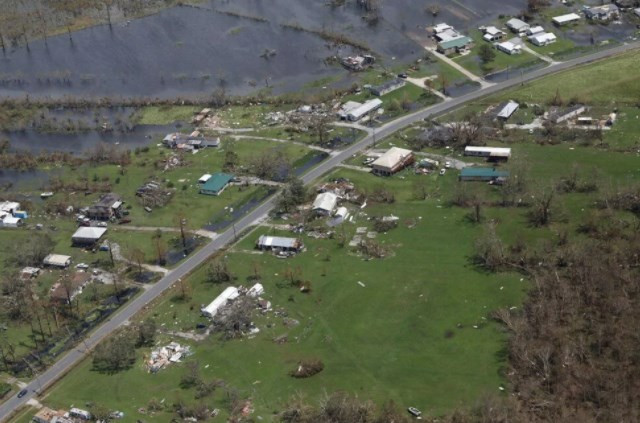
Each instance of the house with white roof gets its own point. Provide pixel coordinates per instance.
(534, 30)
(491, 34)
(566, 19)
(518, 26)
(509, 47)
(87, 236)
(325, 203)
(543, 39)
(394, 160)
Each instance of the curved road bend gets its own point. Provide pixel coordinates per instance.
(75, 355)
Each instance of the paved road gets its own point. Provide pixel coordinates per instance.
(128, 311)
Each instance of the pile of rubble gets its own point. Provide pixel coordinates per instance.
(301, 119)
(164, 356)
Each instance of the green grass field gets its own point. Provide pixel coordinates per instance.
(385, 340)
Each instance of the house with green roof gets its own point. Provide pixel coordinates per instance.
(216, 184)
(485, 174)
(455, 45)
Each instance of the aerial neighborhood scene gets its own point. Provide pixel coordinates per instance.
(319, 211)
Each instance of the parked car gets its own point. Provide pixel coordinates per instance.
(82, 266)
(447, 164)
(124, 221)
(442, 171)
(101, 224)
(22, 393)
(403, 75)
(414, 411)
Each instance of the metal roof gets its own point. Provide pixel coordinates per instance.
(566, 18)
(502, 151)
(325, 201)
(89, 232)
(456, 43)
(508, 109)
(483, 172)
(517, 24)
(277, 242)
(392, 157)
(365, 108)
(217, 182)
(57, 260)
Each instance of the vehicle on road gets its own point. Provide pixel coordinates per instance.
(414, 411)
(22, 393)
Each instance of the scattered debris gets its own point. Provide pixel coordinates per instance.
(164, 356)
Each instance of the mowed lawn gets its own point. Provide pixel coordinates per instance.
(407, 335)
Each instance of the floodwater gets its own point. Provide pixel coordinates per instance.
(81, 142)
(30, 180)
(180, 52)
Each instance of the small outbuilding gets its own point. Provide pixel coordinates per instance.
(394, 160)
(57, 260)
(87, 236)
(216, 183)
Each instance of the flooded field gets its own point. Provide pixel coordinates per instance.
(182, 52)
(81, 142)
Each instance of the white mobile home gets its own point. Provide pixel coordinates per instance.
(506, 110)
(491, 153)
(230, 293)
(566, 19)
(362, 110)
